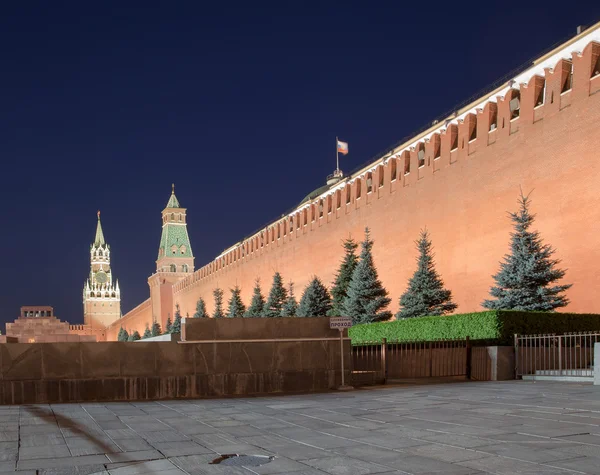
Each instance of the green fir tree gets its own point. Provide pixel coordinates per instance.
(526, 275)
(277, 297)
(339, 291)
(290, 307)
(123, 335)
(156, 330)
(367, 298)
(200, 309)
(315, 301)
(218, 295)
(425, 294)
(176, 327)
(236, 306)
(257, 304)
(135, 336)
(147, 333)
(169, 327)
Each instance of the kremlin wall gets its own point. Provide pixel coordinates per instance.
(539, 132)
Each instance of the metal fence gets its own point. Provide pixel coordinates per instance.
(409, 360)
(570, 354)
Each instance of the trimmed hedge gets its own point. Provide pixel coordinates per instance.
(495, 326)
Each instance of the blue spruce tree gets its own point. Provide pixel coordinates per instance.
(218, 294)
(277, 297)
(176, 327)
(339, 291)
(257, 304)
(200, 309)
(315, 301)
(367, 298)
(135, 336)
(156, 330)
(147, 333)
(425, 294)
(236, 306)
(526, 274)
(169, 327)
(123, 335)
(290, 306)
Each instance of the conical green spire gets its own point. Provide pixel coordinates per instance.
(99, 240)
(173, 202)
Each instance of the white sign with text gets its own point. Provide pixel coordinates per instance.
(340, 322)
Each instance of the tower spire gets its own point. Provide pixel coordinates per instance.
(173, 201)
(99, 240)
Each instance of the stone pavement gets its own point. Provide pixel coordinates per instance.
(452, 428)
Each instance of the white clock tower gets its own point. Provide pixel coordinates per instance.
(101, 294)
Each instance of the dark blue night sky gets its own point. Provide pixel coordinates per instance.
(105, 104)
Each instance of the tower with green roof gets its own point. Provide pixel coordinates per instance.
(101, 293)
(174, 252)
(175, 259)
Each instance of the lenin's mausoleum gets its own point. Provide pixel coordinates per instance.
(538, 132)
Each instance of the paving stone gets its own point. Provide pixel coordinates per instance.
(121, 434)
(135, 456)
(242, 431)
(390, 442)
(62, 462)
(164, 467)
(367, 453)
(582, 464)
(177, 449)
(132, 445)
(80, 470)
(445, 453)
(87, 446)
(40, 429)
(526, 453)
(7, 466)
(8, 436)
(507, 466)
(299, 452)
(346, 465)
(583, 438)
(163, 436)
(280, 465)
(44, 451)
(37, 440)
(200, 465)
(454, 440)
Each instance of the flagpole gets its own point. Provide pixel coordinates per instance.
(337, 156)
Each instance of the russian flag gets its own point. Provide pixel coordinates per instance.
(342, 147)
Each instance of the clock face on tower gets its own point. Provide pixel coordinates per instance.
(101, 277)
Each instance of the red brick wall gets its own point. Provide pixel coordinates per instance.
(462, 198)
(136, 319)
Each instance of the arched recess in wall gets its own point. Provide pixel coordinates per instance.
(514, 104)
(406, 156)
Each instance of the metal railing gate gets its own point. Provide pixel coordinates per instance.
(567, 355)
(380, 361)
